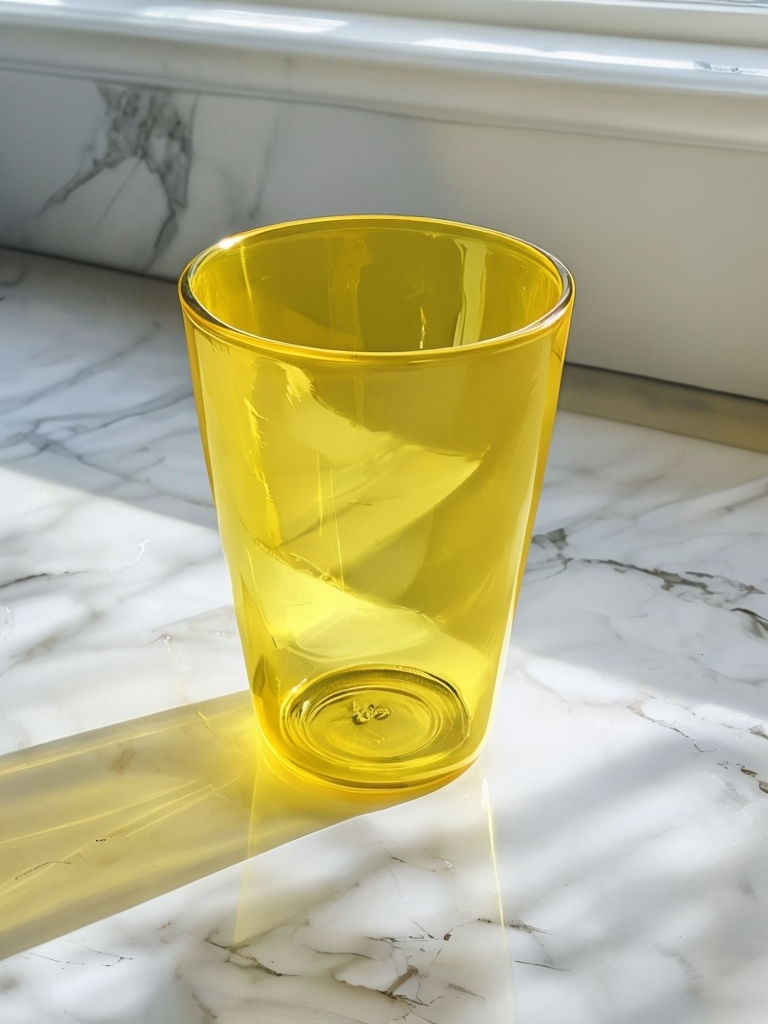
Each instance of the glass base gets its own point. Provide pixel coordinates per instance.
(379, 727)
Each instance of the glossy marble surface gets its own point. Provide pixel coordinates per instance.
(603, 862)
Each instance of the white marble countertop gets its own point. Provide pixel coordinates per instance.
(604, 863)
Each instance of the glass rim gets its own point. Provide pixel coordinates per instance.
(251, 341)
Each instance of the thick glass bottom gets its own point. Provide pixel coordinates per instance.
(376, 727)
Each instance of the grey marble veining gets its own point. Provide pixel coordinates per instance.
(102, 171)
(145, 127)
(142, 170)
(604, 862)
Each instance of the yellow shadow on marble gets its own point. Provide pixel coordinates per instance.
(98, 822)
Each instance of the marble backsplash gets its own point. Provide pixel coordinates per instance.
(110, 178)
(136, 151)
(141, 178)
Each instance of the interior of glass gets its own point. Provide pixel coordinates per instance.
(375, 286)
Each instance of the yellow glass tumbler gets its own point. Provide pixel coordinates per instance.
(376, 396)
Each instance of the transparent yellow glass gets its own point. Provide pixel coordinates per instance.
(376, 396)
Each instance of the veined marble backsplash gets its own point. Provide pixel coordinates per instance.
(128, 175)
(133, 136)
